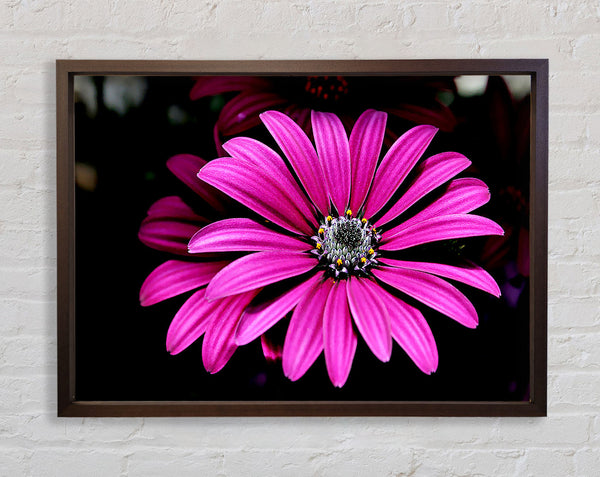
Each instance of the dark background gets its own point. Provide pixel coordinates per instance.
(121, 153)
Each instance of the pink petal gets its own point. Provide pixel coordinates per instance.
(169, 226)
(167, 236)
(258, 319)
(304, 337)
(301, 154)
(396, 165)
(412, 333)
(370, 315)
(433, 291)
(263, 158)
(219, 343)
(470, 274)
(175, 277)
(432, 173)
(339, 338)
(186, 168)
(439, 115)
(440, 228)
(257, 190)
(173, 207)
(213, 85)
(191, 321)
(242, 112)
(366, 140)
(334, 154)
(271, 351)
(461, 197)
(242, 235)
(258, 270)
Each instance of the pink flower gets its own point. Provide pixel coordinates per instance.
(323, 243)
(168, 227)
(404, 98)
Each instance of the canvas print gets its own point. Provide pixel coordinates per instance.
(303, 238)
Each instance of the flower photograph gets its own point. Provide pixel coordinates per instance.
(302, 238)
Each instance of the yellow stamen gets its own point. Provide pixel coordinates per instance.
(363, 259)
(329, 218)
(374, 230)
(321, 230)
(371, 251)
(339, 261)
(319, 246)
(364, 221)
(348, 212)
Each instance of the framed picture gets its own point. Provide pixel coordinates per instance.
(294, 238)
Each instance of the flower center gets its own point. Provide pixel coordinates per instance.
(346, 245)
(326, 88)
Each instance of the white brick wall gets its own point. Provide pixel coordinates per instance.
(34, 33)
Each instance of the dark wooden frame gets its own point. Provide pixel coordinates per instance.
(69, 406)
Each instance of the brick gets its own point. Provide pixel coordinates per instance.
(380, 17)
(88, 15)
(591, 241)
(333, 16)
(575, 166)
(42, 15)
(574, 313)
(266, 18)
(568, 127)
(24, 316)
(558, 49)
(573, 204)
(548, 462)
(65, 462)
(121, 47)
(20, 395)
(584, 96)
(431, 16)
(165, 461)
(520, 433)
(570, 391)
(573, 279)
(552, 17)
(27, 169)
(25, 206)
(593, 128)
(587, 461)
(576, 351)
(441, 462)
(585, 49)
(15, 462)
(565, 241)
(25, 355)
